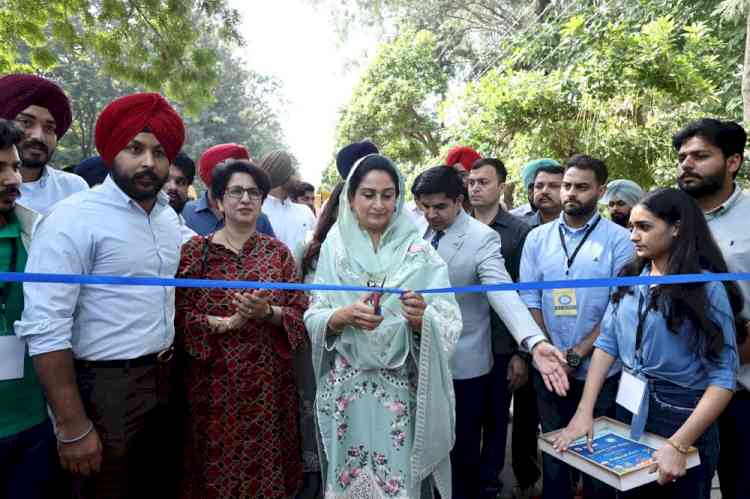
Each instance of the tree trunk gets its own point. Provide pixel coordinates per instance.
(746, 76)
(540, 6)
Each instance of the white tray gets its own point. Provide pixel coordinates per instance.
(634, 477)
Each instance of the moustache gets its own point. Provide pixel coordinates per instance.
(149, 175)
(10, 190)
(690, 175)
(35, 143)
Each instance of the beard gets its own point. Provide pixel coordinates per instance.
(177, 203)
(580, 209)
(131, 188)
(620, 219)
(705, 185)
(27, 157)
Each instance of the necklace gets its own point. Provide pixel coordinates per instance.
(229, 242)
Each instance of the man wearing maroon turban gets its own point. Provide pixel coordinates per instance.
(42, 110)
(203, 215)
(100, 351)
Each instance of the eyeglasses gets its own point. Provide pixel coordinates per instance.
(238, 192)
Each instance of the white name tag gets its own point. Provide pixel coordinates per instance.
(12, 353)
(631, 391)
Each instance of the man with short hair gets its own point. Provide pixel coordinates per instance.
(304, 193)
(203, 215)
(510, 370)
(527, 211)
(42, 110)
(474, 256)
(580, 244)
(100, 351)
(181, 176)
(291, 221)
(621, 196)
(547, 181)
(28, 451)
(710, 154)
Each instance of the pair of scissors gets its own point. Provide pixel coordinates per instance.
(375, 298)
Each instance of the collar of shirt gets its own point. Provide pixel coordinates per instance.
(109, 185)
(572, 230)
(201, 204)
(727, 205)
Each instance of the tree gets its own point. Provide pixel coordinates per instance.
(394, 102)
(738, 11)
(245, 109)
(149, 43)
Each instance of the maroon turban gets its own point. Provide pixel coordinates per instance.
(128, 116)
(218, 154)
(19, 91)
(464, 155)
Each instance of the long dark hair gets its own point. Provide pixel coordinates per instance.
(693, 251)
(325, 222)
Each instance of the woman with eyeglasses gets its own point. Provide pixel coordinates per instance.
(242, 432)
(677, 344)
(384, 405)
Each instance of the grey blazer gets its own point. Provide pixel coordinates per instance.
(472, 252)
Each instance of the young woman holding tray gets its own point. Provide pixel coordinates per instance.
(677, 343)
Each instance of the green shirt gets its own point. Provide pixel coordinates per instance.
(22, 403)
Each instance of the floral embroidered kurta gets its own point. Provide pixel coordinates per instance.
(242, 432)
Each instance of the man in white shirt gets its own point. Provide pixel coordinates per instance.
(42, 110)
(291, 221)
(99, 350)
(710, 154)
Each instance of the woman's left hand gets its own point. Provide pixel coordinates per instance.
(414, 306)
(670, 463)
(253, 305)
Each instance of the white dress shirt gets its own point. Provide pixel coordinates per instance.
(290, 221)
(52, 186)
(728, 224)
(102, 231)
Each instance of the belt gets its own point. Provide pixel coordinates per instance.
(147, 360)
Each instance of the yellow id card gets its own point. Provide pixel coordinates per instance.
(564, 301)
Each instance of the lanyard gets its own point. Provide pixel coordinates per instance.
(569, 259)
(642, 313)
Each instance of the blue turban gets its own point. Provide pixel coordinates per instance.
(92, 170)
(529, 170)
(625, 190)
(349, 155)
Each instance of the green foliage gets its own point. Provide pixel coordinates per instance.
(623, 94)
(149, 43)
(245, 108)
(394, 102)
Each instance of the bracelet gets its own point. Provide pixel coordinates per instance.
(270, 314)
(679, 448)
(78, 438)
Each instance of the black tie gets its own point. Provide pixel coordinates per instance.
(436, 239)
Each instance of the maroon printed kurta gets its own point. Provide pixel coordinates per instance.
(242, 433)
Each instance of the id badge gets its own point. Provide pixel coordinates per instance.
(12, 355)
(564, 302)
(631, 391)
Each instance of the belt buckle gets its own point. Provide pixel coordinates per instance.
(165, 355)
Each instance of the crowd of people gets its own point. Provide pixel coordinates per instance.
(129, 391)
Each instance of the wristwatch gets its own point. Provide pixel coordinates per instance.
(573, 358)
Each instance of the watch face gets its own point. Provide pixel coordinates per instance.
(573, 359)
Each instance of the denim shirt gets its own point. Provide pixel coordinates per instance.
(199, 217)
(679, 358)
(607, 249)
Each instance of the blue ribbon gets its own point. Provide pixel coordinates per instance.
(483, 288)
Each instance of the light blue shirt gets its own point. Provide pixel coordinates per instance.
(53, 186)
(102, 232)
(679, 358)
(605, 252)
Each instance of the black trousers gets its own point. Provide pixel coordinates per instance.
(734, 453)
(471, 402)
